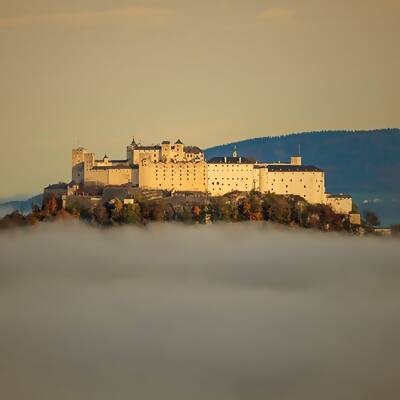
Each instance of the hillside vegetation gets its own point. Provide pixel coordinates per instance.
(191, 209)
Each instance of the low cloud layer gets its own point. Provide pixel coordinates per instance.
(221, 312)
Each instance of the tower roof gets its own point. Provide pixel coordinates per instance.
(178, 141)
(234, 152)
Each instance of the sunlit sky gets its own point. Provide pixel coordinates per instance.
(96, 72)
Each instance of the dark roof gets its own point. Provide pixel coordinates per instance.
(231, 160)
(165, 142)
(113, 162)
(156, 147)
(293, 168)
(112, 167)
(90, 190)
(178, 141)
(192, 149)
(339, 196)
(60, 185)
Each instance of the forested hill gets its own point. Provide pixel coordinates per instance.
(354, 161)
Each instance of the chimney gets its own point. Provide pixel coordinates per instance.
(295, 160)
(225, 159)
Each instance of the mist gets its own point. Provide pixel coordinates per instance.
(230, 311)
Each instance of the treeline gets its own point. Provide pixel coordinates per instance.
(286, 210)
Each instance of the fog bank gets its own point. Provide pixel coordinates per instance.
(230, 311)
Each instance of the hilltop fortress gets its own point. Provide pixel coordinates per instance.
(179, 168)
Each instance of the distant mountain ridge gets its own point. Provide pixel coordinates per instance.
(25, 206)
(354, 161)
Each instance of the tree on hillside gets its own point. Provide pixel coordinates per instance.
(15, 219)
(371, 218)
(101, 214)
(130, 214)
(51, 206)
(221, 209)
(157, 210)
(277, 209)
(116, 210)
(197, 213)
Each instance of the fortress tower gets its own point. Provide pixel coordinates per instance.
(82, 161)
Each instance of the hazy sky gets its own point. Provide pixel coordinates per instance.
(95, 72)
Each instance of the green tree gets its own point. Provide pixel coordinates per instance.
(131, 214)
(101, 215)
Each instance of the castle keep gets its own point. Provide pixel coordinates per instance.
(176, 167)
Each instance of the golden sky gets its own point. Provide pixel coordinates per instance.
(96, 72)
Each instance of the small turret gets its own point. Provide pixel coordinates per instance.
(234, 152)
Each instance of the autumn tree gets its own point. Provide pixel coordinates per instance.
(116, 208)
(277, 209)
(51, 206)
(221, 209)
(196, 212)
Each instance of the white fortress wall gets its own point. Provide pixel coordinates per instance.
(340, 204)
(307, 182)
(181, 176)
(225, 177)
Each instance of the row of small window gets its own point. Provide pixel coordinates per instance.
(301, 180)
(233, 166)
(180, 172)
(228, 184)
(179, 175)
(288, 186)
(160, 185)
(238, 179)
(180, 167)
(224, 170)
